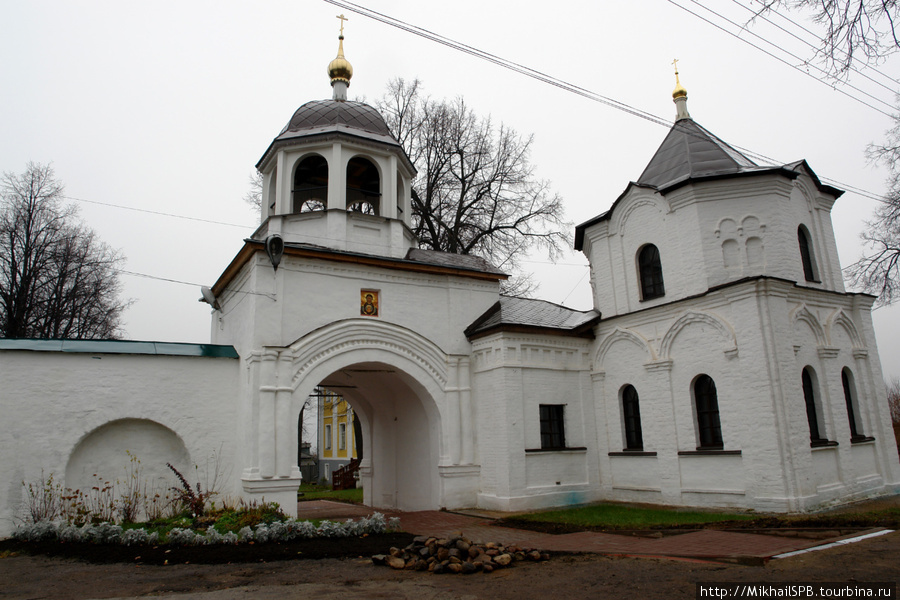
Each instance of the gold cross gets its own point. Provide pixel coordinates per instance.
(342, 18)
(675, 62)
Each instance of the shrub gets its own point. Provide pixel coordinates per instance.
(247, 515)
(43, 500)
(276, 531)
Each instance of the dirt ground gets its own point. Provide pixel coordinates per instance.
(587, 576)
(308, 570)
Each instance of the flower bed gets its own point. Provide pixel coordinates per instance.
(277, 531)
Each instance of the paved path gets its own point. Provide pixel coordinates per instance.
(708, 544)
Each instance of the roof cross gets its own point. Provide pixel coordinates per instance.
(342, 18)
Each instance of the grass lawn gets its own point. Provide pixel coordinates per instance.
(618, 516)
(621, 516)
(311, 491)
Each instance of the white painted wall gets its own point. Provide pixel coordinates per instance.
(76, 414)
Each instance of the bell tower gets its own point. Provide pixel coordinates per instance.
(335, 176)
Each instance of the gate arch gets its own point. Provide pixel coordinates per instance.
(395, 381)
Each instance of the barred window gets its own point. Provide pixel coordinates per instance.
(806, 255)
(706, 400)
(812, 415)
(651, 274)
(553, 432)
(634, 439)
(850, 400)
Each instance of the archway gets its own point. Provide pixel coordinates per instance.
(400, 434)
(394, 379)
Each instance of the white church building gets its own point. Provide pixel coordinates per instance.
(723, 364)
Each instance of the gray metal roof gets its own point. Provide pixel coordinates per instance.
(322, 113)
(119, 347)
(448, 259)
(325, 118)
(691, 153)
(688, 152)
(513, 312)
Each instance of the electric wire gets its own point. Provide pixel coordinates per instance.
(763, 17)
(778, 58)
(791, 54)
(155, 212)
(566, 86)
(817, 37)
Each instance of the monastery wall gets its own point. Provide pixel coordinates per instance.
(73, 415)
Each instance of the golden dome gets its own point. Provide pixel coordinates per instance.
(679, 91)
(339, 69)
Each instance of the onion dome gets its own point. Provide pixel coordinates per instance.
(679, 97)
(339, 69)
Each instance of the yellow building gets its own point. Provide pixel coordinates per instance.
(337, 442)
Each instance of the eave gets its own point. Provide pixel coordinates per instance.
(251, 247)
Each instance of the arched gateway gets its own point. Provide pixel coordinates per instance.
(396, 382)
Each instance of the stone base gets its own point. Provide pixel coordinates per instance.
(459, 485)
(282, 490)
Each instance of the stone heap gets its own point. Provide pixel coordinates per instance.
(455, 555)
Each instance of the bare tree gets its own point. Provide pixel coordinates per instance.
(855, 30)
(57, 280)
(476, 191)
(253, 197)
(893, 397)
(878, 271)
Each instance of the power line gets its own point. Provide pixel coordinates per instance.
(192, 284)
(155, 212)
(569, 87)
(792, 55)
(778, 58)
(762, 16)
(818, 38)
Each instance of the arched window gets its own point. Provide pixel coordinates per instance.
(812, 414)
(631, 412)
(650, 269)
(706, 401)
(363, 186)
(850, 400)
(399, 196)
(806, 255)
(311, 185)
(270, 200)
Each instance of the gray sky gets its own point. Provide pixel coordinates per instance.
(167, 106)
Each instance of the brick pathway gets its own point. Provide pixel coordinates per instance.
(728, 546)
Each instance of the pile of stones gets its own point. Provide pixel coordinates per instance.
(456, 555)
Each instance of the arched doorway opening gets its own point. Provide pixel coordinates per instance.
(400, 431)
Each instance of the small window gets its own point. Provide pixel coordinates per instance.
(311, 185)
(806, 255)
(706, 401)
(812, 415)
(850, 399)
(651, 275)
(553, 433)
(342, 436)
(328, 437)
(634, 439)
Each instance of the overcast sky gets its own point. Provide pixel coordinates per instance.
(167, 106)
